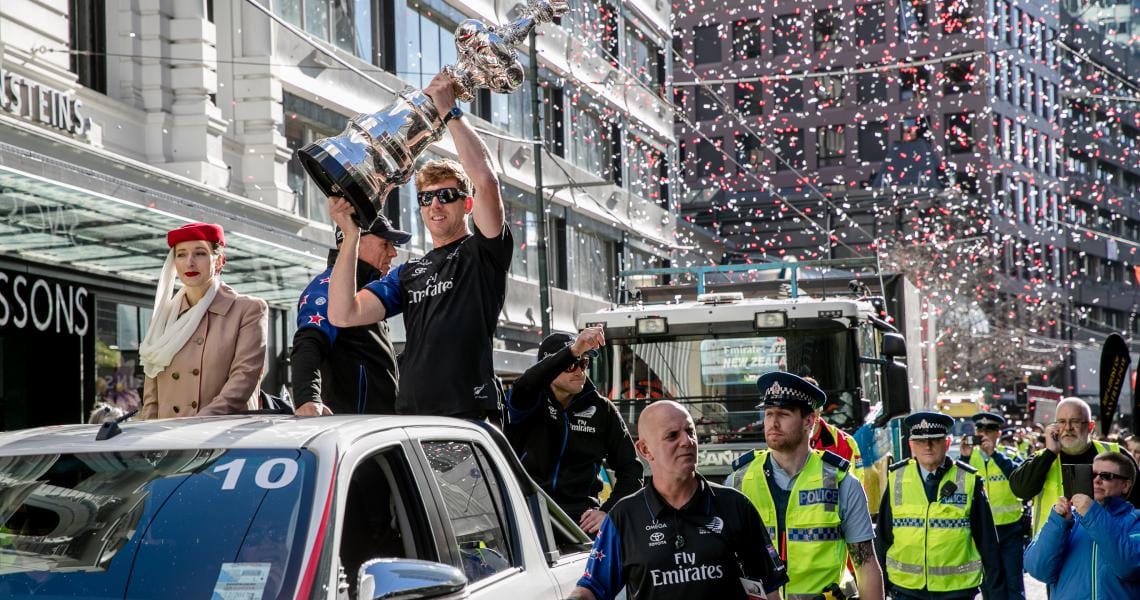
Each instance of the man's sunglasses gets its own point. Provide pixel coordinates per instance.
(988, 428)
(1107, 476)
(582, 363)
(445, 195)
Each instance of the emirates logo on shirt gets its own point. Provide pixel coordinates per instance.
(432, 288)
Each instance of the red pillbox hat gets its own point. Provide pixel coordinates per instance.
(208, 232)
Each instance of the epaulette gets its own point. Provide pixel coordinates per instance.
(743, 460)
(900, 464)
(965, 466)
(835, 460)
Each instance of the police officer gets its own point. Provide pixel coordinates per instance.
(995, 465)
(680, 537)
(815, 508)
(935, 526)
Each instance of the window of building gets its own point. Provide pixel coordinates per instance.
(643, 164)
(554, 117)
(679, 96)
(305, 123)
(957, 77)
(870, 23)
(749, 153)
(351, 25)
(592, 263)
(790, 146)
(710, 158)
(826, 29)
(591, 146)
(788, 95)
(708, 105)
(644, 57)
(594, 20)
(706, 44)
(512, 112)
(521, 216)
(959, 133)
(749, 98)
(787, 34)
(119, 329)
(873, 141)
(746, 39)
(425, 41)
(831, 146)
(88, 41)
(955, 15)
(912, 19)
(830, 89)
(475, 503)
(873, 87)
(913, 82)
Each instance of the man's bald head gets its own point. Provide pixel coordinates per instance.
(649, 422)
(1071, 405)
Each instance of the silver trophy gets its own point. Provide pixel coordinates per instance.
(378, 151)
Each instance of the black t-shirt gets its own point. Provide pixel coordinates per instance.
(700, 551)
(451, 299)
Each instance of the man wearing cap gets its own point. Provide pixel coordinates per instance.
(563, 429)
(681, 537)
(815, 509)
(350, 370)
(995, 466)
(935, 525)
(1066, 443)
(452, 296)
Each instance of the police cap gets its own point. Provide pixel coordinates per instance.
(988, 420)
(927, 425)
(784, 390)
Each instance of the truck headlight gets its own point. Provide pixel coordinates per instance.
(776, 319)
(652, 326)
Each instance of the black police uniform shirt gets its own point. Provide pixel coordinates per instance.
(562, 450)
(699, 551)
(451, 299)
(350, 369)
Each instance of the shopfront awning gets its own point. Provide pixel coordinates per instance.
(53, 222)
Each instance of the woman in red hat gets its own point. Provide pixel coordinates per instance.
(204, 353)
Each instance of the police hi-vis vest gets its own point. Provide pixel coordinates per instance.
(1005, 507)
(1043, 502)
(938, 531)
(816, 552)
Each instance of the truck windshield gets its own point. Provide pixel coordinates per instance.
(715, 377)
(153, 524)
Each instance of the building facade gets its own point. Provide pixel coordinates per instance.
(121, 120)
(790, 114)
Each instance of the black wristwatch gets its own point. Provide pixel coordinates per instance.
(454, 113)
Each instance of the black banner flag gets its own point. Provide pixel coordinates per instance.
(1114, 361)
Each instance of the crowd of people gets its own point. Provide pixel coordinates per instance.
(793, 520)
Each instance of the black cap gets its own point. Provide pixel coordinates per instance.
(988, 418)
(927, 425)
(381, 227)
(557, 341)
(784, 390)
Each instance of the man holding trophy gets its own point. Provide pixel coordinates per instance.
(452, 296)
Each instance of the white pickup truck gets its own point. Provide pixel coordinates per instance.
(278, 508)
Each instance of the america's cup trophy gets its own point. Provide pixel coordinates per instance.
(378, 151)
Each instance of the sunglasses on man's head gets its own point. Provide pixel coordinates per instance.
(1108, 476)
(582, 363)
(445, 195)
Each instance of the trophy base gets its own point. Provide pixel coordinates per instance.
(322, 161)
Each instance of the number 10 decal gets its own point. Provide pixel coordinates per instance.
(264, 477)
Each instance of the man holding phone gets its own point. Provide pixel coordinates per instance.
(995, 467)
(1067, 442)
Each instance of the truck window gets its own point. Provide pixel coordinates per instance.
(382, 518)
(474, 499)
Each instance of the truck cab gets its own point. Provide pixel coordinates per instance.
(704, 345)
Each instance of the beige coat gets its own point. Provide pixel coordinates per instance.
(219, 370)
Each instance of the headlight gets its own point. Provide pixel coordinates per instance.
(652, 326)
(771, 320)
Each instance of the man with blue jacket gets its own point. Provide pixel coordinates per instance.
(1091, 549)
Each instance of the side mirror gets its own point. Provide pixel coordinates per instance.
(896, 400)
(894, 344)
(407, 578)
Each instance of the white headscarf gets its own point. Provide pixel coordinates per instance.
(168, 331)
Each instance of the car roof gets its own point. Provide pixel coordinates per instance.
(248, 432)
